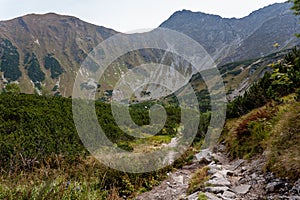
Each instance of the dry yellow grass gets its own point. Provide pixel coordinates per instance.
(198, 179)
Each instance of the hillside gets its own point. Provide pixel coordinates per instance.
(44, 52)
(46, 49)
(239, 76)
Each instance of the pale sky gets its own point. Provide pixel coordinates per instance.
(129, 15)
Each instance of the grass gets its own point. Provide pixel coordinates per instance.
(84, 178)
(284, 151)
(202, 196)
(151, 143)
(198, 180)
(274, 129)
(55, 189)
(247, 135)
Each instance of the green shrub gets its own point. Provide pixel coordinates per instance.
(10, 60)
(33, 67)
(53, 65)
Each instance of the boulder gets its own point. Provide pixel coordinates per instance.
(273, 186)
(204, 156)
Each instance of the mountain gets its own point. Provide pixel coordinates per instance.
(43, 52)
(263, 32)
(46, 49)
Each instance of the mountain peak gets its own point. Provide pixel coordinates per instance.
(273, 9)
(269, 25)
(51, 16)
(276, 7)
(47, 15)
(189, 13)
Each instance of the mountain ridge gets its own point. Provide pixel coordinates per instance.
(223, 37)
(26, 43)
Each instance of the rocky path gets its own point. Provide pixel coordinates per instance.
(174, 187)
(238, 179)
(243, 180)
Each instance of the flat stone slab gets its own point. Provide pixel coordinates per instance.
(236, 164)
(219, 182)
(178, 180)
(219, 179)
(229, 194)
(211, 196)
(216, 190)
(193, 196)
(242, 189)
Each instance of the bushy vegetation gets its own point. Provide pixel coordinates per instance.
(53, 65)
(12, 88)
(286, 76)
(41, 155)
(33, 67)
(33, 128)
(9, 60)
